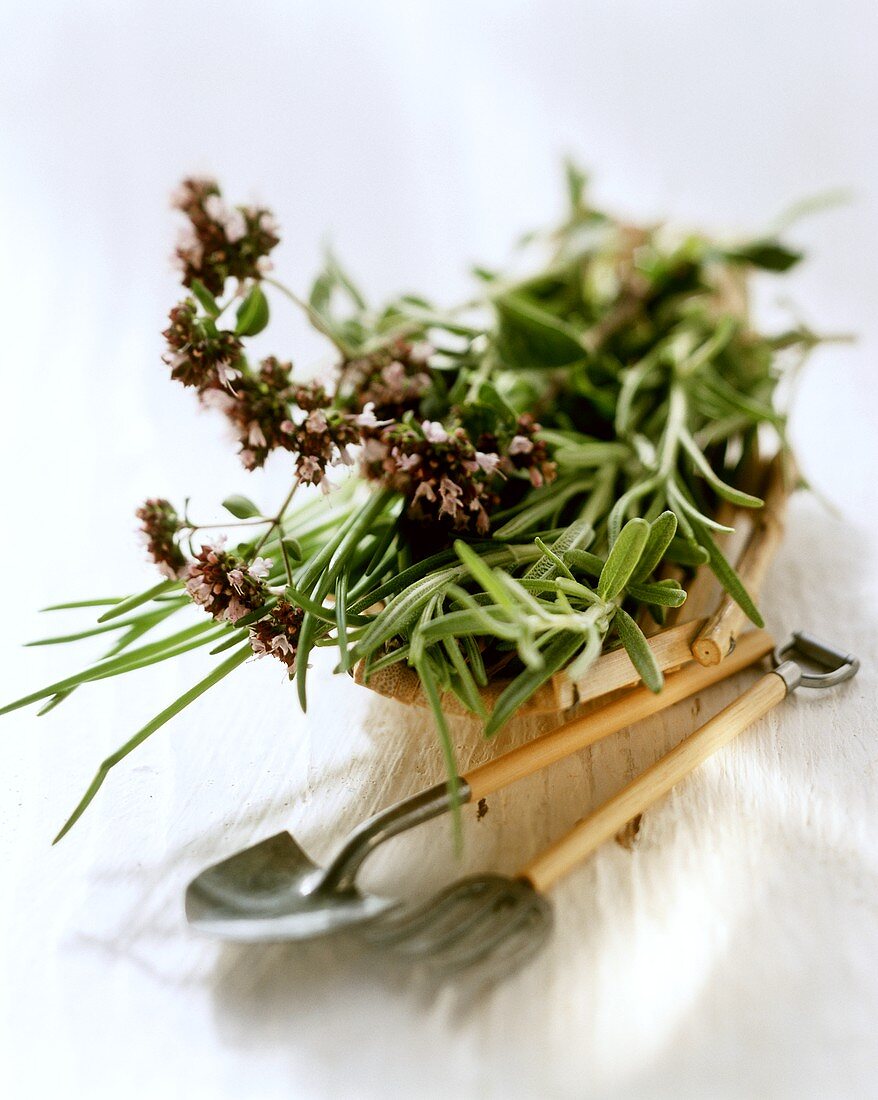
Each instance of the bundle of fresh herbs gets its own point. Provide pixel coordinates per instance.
(520, 468)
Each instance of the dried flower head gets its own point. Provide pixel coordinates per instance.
(392, 380)
(200, 354)
(278, 633)
(321, 440)
(225, 585)
(160, 525)
(446, 479)
(259, 406)
(526, 453)
(221, 241)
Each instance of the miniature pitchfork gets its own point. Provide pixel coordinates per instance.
(501, 922)
(273, 891)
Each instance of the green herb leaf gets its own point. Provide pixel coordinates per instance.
(557, 655)
(769, 255)
(684, 552)
(207, 300)
(727, 576)
(586, 561)
(727, 492)
(660, 594)
(637, 648)
(623, 558)
(253, 313)
(125, 606)
(530, 337)
(293, 550)
(241, 507)
(431, 690)
(661, 534)
(166, 715)
(82, 603)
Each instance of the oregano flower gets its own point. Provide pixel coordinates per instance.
(200, 354)
(160, 526)
(221, 242)
(277, 634)
(226, 586)
(393, 380)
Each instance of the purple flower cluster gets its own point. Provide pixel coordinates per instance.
(278, 633)
(446, 477)
(392, 380)
(525, 453)
(453, 475)
(320, 436)
(200, 354)
(220, 241)
(225, 585)
(229, 589)
(160, 525)
(258, 405)
(441, 473)
(270, 412)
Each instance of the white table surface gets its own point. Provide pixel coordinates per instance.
(734, 950)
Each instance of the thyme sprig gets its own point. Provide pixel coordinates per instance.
(521, 467)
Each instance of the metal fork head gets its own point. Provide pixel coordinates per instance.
(489, 920)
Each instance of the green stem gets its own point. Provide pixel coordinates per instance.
(314, 317)
(676, 422)
(278, 519)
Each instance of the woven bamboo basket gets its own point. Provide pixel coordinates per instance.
(704, 629)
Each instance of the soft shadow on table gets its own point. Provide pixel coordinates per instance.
(297, 1000)
(359, 1022)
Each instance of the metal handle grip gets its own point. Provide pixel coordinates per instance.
(421, 807)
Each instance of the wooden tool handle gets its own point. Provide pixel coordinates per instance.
(631, 708)
(653, 783)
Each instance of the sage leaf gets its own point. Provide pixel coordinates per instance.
(637, 648)
(241, 507)
(661, 534)
(768, 254)
(529, 336)
(253, 313)
(623, 558)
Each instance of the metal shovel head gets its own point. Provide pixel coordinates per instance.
(273, 892)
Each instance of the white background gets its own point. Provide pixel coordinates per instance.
(735, 951)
